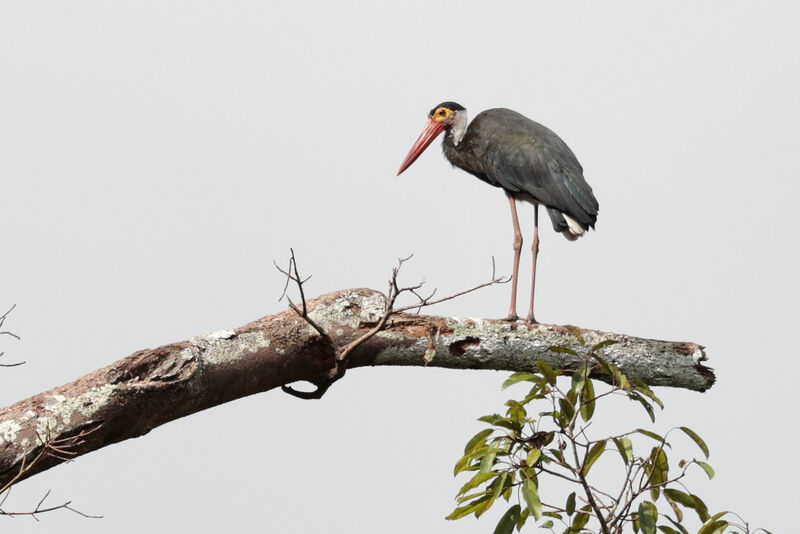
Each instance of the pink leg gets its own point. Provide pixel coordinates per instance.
(512, 313)
(535, 250)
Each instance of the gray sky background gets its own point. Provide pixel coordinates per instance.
(158, 156)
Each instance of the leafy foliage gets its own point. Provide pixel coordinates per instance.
(544, 437)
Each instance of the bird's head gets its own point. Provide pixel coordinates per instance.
(447, 116)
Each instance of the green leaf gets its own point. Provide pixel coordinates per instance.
(557, 454)
(533, 457)
(531, 495)
(592, 456)
(491, 419)
(468, 509)
(523, 517)
(580, 519)
(476, 481)
(570, 506)
(578, 379)
(477, 439)
(700, 443)
(668, 530)
(660, 466)
(528, 472)
(487, 462)
(464, 464)
(562, 350)
(566, 412)
(649, 434)
(713, 527)
(547, 524)
(622, 380)
(460, 512)
(572, 397)
(496, 488)
(644, 389)
(521, 376)
(677, 525)
(675, 508)
(508, 521)
(679, 497)
(500, 484)
(604, 344)
(645, 404)
(607, 368)
(655, 493)
(471, 496)
(701, 508)
(648, 516)
(575, 331)
(719, 514)
(516, 412)
(690, 501)
(508, 485)
(625, 448)
(547, 371)
(538, 391)
(503, 422)
(587, 400)
(707, 468)
(658, 471)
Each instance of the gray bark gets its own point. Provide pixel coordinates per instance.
(154, 386)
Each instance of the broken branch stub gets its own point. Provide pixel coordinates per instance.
(154, 386)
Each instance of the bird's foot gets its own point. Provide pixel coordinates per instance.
(530, 320)
(512, 318)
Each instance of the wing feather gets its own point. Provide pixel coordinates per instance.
(529, 160)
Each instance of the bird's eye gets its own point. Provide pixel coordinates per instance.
(442, 112)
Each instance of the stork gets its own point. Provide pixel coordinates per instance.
(525, 159)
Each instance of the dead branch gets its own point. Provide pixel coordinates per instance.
(324, 381)
(7, 333)
(62, 449)
(3, 320)
(151, 387)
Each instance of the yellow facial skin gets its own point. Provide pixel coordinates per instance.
(441, 114)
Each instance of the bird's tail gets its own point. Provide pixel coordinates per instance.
(574, 228)
(566, 225)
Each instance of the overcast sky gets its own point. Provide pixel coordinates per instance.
(158, 156)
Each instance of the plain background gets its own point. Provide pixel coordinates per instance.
(156, 157)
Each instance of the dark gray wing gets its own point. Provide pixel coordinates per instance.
(530, 161)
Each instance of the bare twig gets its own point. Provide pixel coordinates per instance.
(341, 353)
(337, 371)
(60, 448)
(7, 333)
(3, 319)
(15, 364)
(40, 509)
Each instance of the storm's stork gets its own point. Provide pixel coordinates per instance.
(526, 159)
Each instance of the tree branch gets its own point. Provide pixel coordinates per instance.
(154, 386)
(342, 353)
(3, 318)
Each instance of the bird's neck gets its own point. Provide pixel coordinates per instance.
(456, 132)
(458, 147)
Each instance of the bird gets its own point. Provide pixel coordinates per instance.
(527, 160)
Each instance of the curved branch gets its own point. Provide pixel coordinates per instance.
(154, 386)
